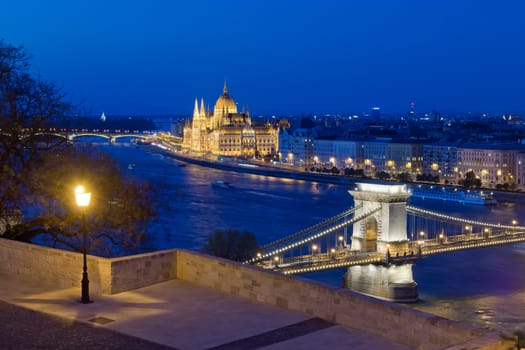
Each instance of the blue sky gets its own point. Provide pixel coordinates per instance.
(278, 56)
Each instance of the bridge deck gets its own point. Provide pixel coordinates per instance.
(416, 250)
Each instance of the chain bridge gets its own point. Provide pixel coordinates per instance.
(388, 237)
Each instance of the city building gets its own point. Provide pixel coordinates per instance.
(338, 153)
(520, 169)
(392, 157)
(493, 164)
(296, 147)
(441, 160)
(227, 132)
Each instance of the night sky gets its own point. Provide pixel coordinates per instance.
(278, 57)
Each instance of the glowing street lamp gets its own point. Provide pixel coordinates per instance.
(314, 248)
(83, 198)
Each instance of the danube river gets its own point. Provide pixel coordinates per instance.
(485, 286)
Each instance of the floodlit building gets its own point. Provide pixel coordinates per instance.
(227, 132)
(492, 164)
(338, 153)
(392, 157)
(296, 147)
(441, 160)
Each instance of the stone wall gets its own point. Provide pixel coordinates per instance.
(142, 270)
(344, 307)
(396, 322)
(53, 267)
(60, 268)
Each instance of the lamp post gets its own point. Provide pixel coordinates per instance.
(83, 199)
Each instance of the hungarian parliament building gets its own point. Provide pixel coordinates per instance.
(228, 132)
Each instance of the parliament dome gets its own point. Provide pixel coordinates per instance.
(225, 103)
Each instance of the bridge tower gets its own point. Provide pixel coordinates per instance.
(387, 227)
(384, 231)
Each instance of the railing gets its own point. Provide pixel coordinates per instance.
(416, 251)
(464, 242)
(332, 262)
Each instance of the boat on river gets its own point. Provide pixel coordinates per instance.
(453, 194)
(221, 184)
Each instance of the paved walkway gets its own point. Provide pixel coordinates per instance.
(173, 314)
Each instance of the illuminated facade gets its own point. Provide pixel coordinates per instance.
(392, 157)
(441, 160)
(227, 132)
(492, 164)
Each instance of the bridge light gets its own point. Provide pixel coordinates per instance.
(514, 222)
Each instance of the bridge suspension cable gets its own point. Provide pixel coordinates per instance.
(308, 239)
(452, 219)
(310, 229)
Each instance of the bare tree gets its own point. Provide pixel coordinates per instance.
(26, 105)
(38, 172)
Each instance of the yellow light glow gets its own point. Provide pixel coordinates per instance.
(83, 198)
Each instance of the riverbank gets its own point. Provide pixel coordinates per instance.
(258, 168)
(264, 169)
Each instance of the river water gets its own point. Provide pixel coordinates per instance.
(485, 287)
